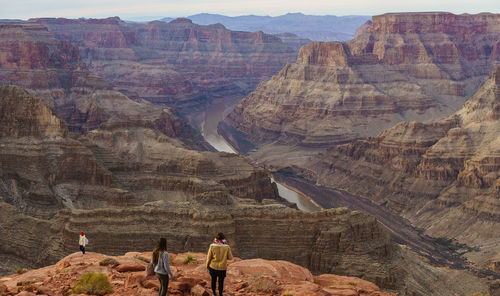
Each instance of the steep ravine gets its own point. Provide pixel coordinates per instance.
(419, 271)
(215, 113)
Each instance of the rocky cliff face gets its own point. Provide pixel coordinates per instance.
(399, 67)
(436, 174)
(178, 63)
(51, 69)
(336, 240)
(127, 185)
(121, 164)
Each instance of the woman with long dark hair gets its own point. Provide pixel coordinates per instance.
(218, 254)
(161, 263)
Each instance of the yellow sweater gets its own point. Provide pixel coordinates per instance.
(217, 256)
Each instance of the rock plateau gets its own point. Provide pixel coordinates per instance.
(244, 277)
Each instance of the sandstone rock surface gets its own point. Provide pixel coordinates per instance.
(244, 277)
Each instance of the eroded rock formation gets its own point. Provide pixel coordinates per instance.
(120, 164)
(399, 67)
(245, 277)
(32, 58)
(179, 63)
(444, 176)
(126, 186)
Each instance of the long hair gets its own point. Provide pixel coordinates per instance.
(161, 247)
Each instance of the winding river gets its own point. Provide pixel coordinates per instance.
(215, 114)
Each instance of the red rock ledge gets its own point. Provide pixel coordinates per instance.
(244, 277)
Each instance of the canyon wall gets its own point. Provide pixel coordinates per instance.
(43, 169)
(126, 184)
(399, 67)
(178, 64)
(444, 176)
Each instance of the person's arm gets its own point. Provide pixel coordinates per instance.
(209, 256)
(166, 264)
(229, 254)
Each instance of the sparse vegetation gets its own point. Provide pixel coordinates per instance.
(288, 293)
(109, 262)
(354, 284)
(257, 285)
(142, 258)
(480, 294)
(454, 246)
(189, 259)
(93, 284)
(288, 173)
(23, 284)
(21, 270)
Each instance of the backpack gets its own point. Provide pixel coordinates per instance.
(150, 269)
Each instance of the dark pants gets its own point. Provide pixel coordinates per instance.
(217, 275)
(163, 284)
(82, 248)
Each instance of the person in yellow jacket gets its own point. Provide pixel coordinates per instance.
(218, 254)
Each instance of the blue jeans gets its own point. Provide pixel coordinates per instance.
(82, 248)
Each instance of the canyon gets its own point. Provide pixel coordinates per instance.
(177, 64)
(95, 137)
(399, 67)
(341, 117)
(443, 176)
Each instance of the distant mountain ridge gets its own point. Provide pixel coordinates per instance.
(314, 27)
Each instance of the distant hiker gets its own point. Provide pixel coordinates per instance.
(83, 242)
(161, 263)
(218, 254)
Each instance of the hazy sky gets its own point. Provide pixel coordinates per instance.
(128, 9)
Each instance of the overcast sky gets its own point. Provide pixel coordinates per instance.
(129, 9)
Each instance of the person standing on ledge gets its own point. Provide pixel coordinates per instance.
(218, 254)
(161, 262)
(83, 241)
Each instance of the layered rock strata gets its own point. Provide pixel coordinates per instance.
(178, 63)
(342, 233)
(444, 176)
(126, 186)
(120, 164)
(399, 67)
(338, 240)
(31, 57)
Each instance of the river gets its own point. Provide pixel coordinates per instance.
(215, 114)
